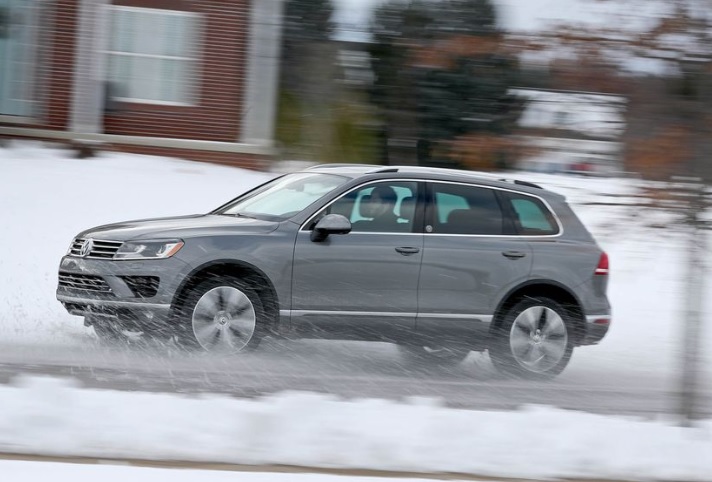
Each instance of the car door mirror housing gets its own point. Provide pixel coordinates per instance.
(330, 224)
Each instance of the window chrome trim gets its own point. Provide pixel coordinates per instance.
(497, 188)
(466, 183)
(376, 181)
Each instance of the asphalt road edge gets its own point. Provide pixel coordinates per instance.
(283, 469)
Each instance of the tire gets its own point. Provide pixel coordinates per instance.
(441, 356)
(223, 315)
(534, 340)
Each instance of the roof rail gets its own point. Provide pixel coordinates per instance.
(444, 170)
(337, 165)
(525, 183)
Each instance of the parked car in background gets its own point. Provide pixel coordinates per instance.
(440, 262)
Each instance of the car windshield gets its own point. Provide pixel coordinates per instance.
(284, 197)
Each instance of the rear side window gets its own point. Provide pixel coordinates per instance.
(463, 209)
(531, 217)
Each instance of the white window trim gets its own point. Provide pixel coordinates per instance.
(197, 60)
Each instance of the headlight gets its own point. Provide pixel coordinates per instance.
(149, 249)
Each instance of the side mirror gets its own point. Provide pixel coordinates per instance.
(330, 224)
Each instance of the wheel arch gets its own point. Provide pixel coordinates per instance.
(259, 281)
(543, 288)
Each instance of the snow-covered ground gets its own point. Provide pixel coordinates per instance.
(47, 197)
(55, 417)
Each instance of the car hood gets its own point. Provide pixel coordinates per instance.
(179, 227)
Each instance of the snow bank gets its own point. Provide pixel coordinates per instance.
(52, 416)
(47, 197)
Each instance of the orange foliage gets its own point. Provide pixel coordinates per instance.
(482, 151)
(658, 156)
(443, 53)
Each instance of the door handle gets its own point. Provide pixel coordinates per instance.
(513, 254)
(407, 250)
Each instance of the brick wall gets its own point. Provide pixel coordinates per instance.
(61, 19)
(217, 115)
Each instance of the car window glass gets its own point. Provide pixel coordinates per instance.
(379, 207)
(462, 209)
(531, 216)
(285, 196)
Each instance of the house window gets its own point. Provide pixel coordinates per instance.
(153, 55)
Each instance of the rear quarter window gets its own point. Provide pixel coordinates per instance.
(531, 216)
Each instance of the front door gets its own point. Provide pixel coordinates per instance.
(363, 284)
(18, 34)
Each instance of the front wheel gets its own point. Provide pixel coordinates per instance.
(534, 340)
(223, 315)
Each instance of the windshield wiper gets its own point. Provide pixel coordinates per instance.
(243, 215)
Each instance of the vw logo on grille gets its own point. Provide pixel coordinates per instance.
(86, 248)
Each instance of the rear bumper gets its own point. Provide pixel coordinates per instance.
(596, 328)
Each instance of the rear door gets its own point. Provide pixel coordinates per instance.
(471, 258)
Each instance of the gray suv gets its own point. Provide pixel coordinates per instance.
(440, 262)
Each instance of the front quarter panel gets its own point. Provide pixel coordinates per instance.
(270, 253)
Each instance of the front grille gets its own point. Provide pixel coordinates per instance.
(100, 248)
(85, 282)
(142, 286)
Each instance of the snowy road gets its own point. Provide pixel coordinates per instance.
(349, 370)
(633, 371)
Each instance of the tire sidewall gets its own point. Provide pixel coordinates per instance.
(187, 335)
(500, 350)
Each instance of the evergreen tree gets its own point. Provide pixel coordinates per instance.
(306, 23)
(441, 74)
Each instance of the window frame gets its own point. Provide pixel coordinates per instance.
(195, 59)
(549, 214)
(509, 229)
(418, 217)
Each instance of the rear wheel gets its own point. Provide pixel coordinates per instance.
(534, 340)
(223, 315)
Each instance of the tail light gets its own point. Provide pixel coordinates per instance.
(602, 268)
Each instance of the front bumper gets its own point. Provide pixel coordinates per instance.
(108, 287)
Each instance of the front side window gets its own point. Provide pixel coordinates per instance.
(385, 207)
(463, 209)
(152, 55)
(284, 197)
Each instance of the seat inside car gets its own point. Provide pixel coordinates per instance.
(471, 221)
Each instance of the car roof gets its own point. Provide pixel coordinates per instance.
(438, 173)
